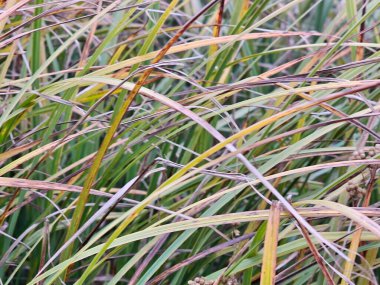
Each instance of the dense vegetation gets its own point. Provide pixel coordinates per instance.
(189, 142)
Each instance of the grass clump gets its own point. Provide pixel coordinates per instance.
(155, 142)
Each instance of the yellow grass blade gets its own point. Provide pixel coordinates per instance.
(268, 270)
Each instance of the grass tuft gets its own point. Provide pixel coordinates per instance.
(189, 142)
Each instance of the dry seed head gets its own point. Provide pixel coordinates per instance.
(355, 155)
(232, 281)
(200, 281)
(362, 190)
(372, 151)
(351, 186)
(355, 191)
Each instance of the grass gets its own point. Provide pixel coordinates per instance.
(189, 142)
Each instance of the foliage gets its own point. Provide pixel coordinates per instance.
(200, 142)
